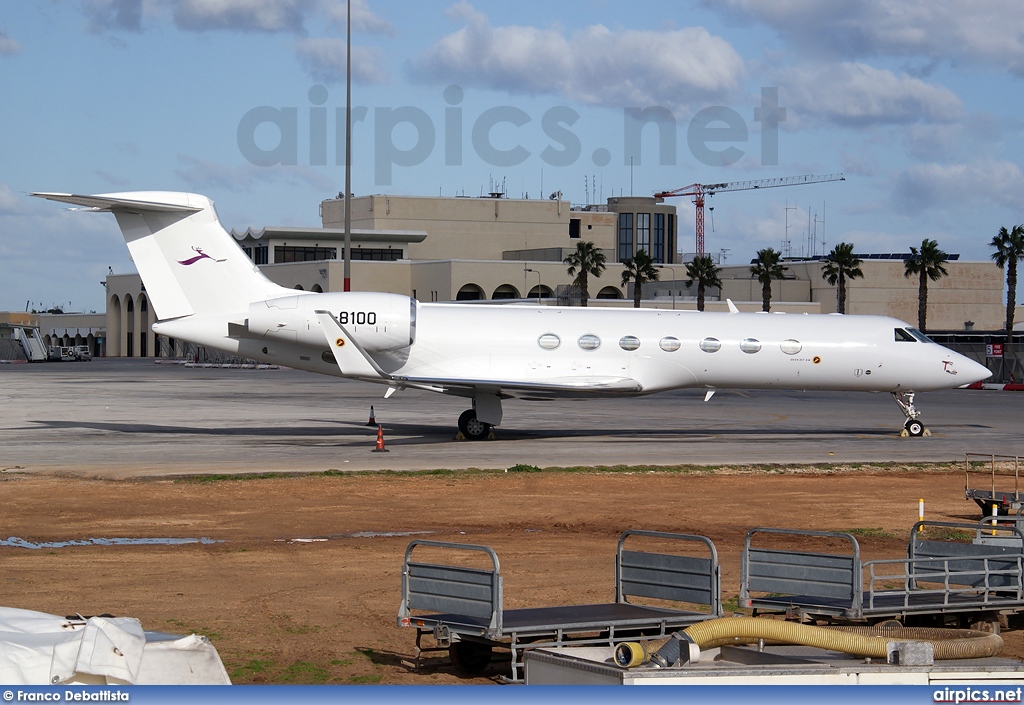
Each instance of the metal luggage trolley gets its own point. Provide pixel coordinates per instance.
(462, 607)
(978, 581)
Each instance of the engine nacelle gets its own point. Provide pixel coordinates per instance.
(378, 322)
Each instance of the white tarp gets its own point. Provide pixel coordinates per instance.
(39, 649)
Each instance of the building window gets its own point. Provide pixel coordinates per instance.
(375, 254)
(261, 255)
(574, 228)
(670, 240)
(658, 255)
(625, 236)
(643, 232)
(290, 253)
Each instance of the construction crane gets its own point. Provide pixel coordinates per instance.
(699, 191)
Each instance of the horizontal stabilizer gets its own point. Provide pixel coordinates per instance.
(109, 203)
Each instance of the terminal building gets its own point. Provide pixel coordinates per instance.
(497, 248)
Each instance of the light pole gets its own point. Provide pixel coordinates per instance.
(673, 270)
(540, 289)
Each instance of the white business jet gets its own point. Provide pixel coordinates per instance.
(206, 290)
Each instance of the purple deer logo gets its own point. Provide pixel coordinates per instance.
(199, 256)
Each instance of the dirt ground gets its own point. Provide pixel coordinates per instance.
(286, 611)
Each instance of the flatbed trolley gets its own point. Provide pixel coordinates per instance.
(462, 607)
(967, 573)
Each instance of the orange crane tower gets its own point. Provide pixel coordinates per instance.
(699, 191)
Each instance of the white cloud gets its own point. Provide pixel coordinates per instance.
(363, 18)
(8, 46)
(854, 94)
(940, 186)
(672, 68)
(990, 31)
(323, 58)
(242, 15)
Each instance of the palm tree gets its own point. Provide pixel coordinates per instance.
(639, 269)
(1009, 248)
(766, 267)
(586, 260)
(841, 264)
(703, 270)
(926, 263)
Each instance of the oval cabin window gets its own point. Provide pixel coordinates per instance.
(629, 342)
(710, 345)
(750, 345)
(549, 341)
(669, 344)
(791, 347)
(589, 342)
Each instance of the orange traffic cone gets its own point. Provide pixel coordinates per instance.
(373, 420)
(380, 442)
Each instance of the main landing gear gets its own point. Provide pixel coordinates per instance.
(472, 428)
(475, 424)
(913, 427)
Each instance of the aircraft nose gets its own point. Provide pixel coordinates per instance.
(967, 371)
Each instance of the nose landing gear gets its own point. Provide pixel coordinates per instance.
(914, 426)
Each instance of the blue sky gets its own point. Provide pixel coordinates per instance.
(917, 103)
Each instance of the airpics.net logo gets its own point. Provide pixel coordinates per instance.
(407, 136)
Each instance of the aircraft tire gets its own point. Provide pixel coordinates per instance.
(471, 428)
(914, 427)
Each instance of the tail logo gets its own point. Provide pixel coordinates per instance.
(200, 255)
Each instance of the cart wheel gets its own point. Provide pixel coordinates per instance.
(469, 658)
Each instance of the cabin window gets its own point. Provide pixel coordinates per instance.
(589, 342)
(750, 345)
(903, 336)
(629, 342)
(791, 347)
(549, 341)
(711, 345)
(669, 344)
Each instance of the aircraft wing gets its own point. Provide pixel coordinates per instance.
(356, 362)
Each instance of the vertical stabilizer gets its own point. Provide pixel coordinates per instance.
(188, 263)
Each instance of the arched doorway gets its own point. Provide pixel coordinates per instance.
(144, 346)
(114, 319)
(541, 291)
(609, 292)
(505, 291)
(129, 338)
(470, 292)
(317, 289)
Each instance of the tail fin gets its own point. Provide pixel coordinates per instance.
(188, 263)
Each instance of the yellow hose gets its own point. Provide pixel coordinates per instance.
(858, 641)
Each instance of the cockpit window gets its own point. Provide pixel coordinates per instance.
(919, 335)
(903, 336)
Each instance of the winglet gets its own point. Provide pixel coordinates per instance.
(351, 358)
(732, 306)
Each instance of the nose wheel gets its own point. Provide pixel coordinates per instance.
(472, 428)
(914, 427)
